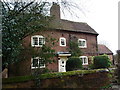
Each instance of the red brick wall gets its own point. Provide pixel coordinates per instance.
(90, 38)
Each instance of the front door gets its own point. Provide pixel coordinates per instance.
(62, 64)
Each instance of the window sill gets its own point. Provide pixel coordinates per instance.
(82, 46)
(37, 45)
(37, 67)
(84, 64)
(62, 45)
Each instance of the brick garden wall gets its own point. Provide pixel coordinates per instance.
(89, 80)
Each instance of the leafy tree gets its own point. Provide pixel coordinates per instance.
(20, 20)
(74, 49)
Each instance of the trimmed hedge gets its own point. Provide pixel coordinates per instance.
(101, 61)
(49, 75)
(73, 63)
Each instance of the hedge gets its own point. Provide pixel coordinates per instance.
(101, 61)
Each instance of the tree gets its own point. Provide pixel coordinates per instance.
(74, 49)
(21, 19)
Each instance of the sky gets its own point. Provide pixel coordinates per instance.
(102, 16)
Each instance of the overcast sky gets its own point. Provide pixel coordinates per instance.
(102, 16)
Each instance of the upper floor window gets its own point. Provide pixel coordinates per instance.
(84, 60)
(37, 63)
(37, 41)
(62, 41)
(82, 43)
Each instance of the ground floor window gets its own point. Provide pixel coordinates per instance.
(84, 60)
(37, 63)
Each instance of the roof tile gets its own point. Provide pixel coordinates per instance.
(72, 26)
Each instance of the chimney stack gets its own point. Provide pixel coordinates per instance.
(55, 11)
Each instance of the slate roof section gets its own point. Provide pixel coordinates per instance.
(72, 26)
(102, 49)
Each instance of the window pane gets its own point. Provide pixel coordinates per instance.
(85, 61)
(41, 62)
(35, 41)
(82, 43)
(62, 42)
(35, 62)
(41, 41)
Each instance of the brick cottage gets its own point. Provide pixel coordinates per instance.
(63, 31)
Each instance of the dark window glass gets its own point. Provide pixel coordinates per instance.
(35, 41)
(62, 42)
(41, 62)
(35, 62)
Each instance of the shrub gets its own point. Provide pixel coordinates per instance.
(73, 63)
(101, 61)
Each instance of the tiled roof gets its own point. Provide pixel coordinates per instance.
(102, 49)
(72, 26)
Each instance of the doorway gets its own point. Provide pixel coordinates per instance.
(62, 64)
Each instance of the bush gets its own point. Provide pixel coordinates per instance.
(101, 61)
(73, 63)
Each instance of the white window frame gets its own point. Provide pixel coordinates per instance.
(38, 37)
(85, 46)
(64, 41)
(38, 63)
(82, 57)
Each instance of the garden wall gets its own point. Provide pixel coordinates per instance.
(72, 79)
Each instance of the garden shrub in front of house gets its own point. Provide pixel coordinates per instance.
(101, 61)
(73, 63)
